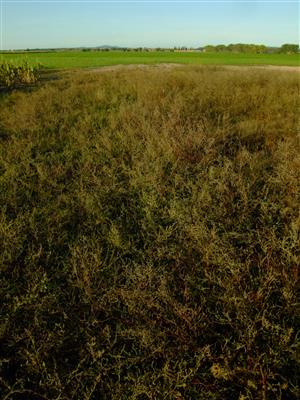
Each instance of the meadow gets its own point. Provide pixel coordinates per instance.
(149, 236)
(80, 59)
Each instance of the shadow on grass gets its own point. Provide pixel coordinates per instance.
(45, 77)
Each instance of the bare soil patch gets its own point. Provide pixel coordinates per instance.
(265, 67)
(133, 67)
(285, 68)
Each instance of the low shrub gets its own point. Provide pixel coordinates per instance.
(149, 237)
(12, 75)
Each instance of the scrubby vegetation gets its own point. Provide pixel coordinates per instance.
(149, 236)
(15, 75)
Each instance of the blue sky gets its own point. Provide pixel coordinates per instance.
(153, 23)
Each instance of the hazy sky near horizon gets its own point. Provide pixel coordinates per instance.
(153, 23)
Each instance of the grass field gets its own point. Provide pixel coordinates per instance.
(74, 59)
(149, 235)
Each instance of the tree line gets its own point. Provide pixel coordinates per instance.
(252, 48)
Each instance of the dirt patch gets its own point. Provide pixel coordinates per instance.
(265, 67)
(132, 66)
(173, 65)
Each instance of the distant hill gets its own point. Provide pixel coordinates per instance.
(57, 49)
(106, 47)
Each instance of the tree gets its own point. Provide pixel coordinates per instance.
(209, 48)
(220, 48)
(288, 48)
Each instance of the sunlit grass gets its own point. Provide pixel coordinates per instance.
(149, 236)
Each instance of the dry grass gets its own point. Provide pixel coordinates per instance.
(149, 235)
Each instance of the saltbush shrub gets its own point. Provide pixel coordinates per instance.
(149, 236)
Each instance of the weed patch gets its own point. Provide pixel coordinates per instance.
(149, 236)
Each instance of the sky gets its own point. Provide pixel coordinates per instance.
(150, 23)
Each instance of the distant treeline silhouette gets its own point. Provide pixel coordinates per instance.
(220, 48)
(252, 48)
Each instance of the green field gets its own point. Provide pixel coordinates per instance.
(79, 59)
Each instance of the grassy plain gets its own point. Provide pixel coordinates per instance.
(149, 236)
(73, 59)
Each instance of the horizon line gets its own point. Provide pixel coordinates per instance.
(116, 47)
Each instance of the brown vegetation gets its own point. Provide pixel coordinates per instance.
(149, 236)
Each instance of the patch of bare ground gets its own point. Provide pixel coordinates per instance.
(132, 67)
(284, 68)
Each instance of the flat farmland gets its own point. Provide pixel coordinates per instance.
(93, 59)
